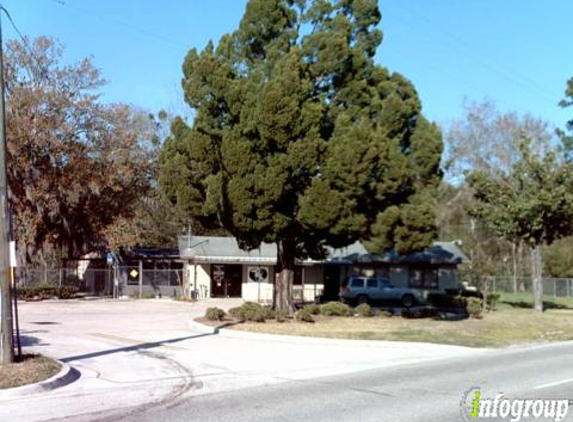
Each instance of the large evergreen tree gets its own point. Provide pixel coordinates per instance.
(567, 137)
(301, 139)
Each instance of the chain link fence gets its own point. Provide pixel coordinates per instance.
(129, 280)
(552, 287)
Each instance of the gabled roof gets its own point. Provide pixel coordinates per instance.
(437, 253)
(226, 250)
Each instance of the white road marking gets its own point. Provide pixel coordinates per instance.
(554, 384)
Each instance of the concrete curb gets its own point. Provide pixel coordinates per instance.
(249, 335)
(66, 376)
(202, 328)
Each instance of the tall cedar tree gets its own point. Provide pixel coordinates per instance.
(301, 139)
(533, 203)
(75, 164)
(567, 138)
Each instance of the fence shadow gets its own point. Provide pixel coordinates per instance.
(528, 305)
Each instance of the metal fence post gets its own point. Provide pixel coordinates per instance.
(140, 278)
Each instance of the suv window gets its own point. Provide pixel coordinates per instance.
(384, 282)
(357, 282)
(372, 283)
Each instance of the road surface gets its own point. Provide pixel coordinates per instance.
(140, 361)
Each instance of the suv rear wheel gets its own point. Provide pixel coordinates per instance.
(361, 299)
(407, 301)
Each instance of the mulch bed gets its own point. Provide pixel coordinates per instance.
(28, 370)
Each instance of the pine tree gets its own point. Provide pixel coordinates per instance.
(300, 139)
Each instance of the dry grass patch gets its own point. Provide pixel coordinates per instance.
(31, 369)
(504, 327)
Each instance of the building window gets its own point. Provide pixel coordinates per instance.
(357, 282)
(424, 278)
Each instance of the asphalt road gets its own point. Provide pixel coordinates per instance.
(140, 361)
(430, 391)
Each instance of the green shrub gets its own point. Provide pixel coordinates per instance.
(47, 291)
(215, 314)
(420, 313)
(250, 311)
(67, 292)
(269, 312)
(410, 314)
(313, 309)
(335, 309)
(384, 313)
(236, 312)
(363, 310)
(474, 308)
(281, 316)
(492, 300)
(447, 301)
(304, 315)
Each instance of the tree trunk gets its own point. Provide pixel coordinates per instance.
(520, 269)
(282, 295)
(536, 274)
(514, 265)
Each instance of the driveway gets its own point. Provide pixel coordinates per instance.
(134, 356)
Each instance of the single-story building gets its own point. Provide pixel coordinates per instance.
(217, 267)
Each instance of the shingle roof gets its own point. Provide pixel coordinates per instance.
(226, 249)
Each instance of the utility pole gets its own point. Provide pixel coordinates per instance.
(6, 334)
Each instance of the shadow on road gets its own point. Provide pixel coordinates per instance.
(134, 348)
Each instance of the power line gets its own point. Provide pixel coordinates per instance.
(511, 76)
(121, 23)
(25, 42)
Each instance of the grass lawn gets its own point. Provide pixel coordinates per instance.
(31, 369)
(513, 322)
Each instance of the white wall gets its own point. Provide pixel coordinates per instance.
(199, 277)
(253, 291)
(263, 291)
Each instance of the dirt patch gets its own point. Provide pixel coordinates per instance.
(29, 370)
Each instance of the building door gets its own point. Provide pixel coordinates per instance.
(226, 280)
(331, 282)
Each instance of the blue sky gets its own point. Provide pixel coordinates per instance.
(514, 52)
